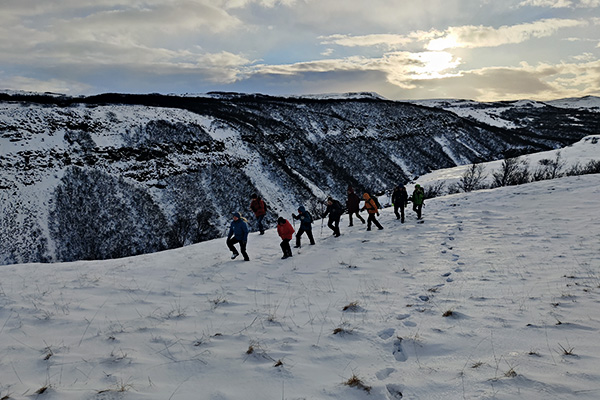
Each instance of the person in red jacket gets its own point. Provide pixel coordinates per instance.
(286, 232)
(259, 208)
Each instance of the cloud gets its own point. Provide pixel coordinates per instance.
(547, 3)
(485, 36)
(436, 74)
(399, 67)
(458, 36)
(36, 85)
(386, 40)
(540, 82)
(561, 3)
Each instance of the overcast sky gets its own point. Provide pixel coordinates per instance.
(403, 49)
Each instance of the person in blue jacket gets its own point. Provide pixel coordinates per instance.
(305, 225)
(238, 233)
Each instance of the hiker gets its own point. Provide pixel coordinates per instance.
(371, 208)
(418, 199)
(335, 211)
(305, 226)
(238, 233)
(400, 201)
(353, 205)
(258, 206)
(285, 230)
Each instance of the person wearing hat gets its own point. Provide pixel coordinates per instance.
(238, 233)
(335, 211)
(400, 201)
(259, 208)
(305, 226)
(285, 230)
(353, 205)
(372, 209)
(418, 198)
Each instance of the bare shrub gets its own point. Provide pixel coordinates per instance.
(549, 169)
(473, 178)
(592, 167)
(434, 190)
(513, 171)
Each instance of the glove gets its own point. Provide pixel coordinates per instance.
(294, 216)
(378, 214)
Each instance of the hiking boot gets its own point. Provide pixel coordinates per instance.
(246, 259)
(297, 246)
(350, 225)
(369, 228)
(312, 243)
(380, 228)
(234, 255)
(284, 257)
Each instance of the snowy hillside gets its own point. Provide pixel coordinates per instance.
(116, 175)
(582, 152)
(495, 295)
(591, 103)
(521, 114)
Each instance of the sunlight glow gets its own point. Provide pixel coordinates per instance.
(446, 42)
(433, 64)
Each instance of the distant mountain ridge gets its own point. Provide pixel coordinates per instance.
(114, 175)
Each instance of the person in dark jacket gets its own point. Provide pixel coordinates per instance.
(400, 201)
(353, 205)
(372, 209)
(285, 230)
(335, 211)
(305, 226)
(238, 233)
(258, 207)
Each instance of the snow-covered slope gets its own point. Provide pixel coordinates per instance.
(591, 103)
(582, 152)
(520, 114)
(495, 295)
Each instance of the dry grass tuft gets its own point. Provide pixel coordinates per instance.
(42, 389)
(356, 382)
(351, 307)
(448, 313)
(567, 351)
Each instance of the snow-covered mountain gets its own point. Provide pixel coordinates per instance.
(543, 117)
(116, 175)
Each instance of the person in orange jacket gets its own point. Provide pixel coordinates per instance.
(286, 232)
(371, 208)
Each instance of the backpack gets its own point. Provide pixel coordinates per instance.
(376, 200)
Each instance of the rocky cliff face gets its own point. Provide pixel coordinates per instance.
(115, 175)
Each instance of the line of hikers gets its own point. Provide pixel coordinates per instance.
(238, 230)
